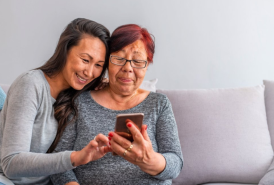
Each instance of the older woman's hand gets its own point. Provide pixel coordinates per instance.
(140, 151)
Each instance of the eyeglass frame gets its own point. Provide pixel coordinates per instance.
(128, 61)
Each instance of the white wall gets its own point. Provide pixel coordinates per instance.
(199, 43)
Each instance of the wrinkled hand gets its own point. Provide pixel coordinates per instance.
(103, 84)
(142, 153)
(95, 150)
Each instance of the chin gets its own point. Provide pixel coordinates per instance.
(77, 87)
(126, 91)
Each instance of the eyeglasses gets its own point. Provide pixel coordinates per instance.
(119, 61)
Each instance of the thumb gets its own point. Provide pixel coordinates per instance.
(144, 132)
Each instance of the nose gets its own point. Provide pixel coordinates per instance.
(127, 67)
(88, 72)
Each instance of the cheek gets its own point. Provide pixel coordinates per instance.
(112, 73)
(140, 74)
(97, 72)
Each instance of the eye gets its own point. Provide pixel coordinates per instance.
(98, 65)
(137, 61)
(85, 60)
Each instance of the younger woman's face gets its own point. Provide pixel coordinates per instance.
(84, 62)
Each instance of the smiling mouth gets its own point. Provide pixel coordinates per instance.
(80, 78)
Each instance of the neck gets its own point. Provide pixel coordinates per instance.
(57, 84)
(120, 98)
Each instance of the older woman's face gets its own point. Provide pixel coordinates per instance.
(126, 79)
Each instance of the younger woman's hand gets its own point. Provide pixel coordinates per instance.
(95, 150)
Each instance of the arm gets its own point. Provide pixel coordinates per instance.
(18, 122)
(66, 142)
(92, 151)
(168, 143)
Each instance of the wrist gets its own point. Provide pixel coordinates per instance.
(74, 159)
(155, 165)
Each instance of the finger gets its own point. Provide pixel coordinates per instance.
(103, 85)
(102, 140)
(105, 80)
(98, 87)
(144, 132)
(123, 142)
(106, 149)
(91, 146)
(118, 149)
(135, 132)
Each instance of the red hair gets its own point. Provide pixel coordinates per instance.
(129, 33)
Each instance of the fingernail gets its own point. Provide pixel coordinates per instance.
(110, 134)
(129, 125)
(146, 127)
(97, 148)
(109, 143)
(109, 138)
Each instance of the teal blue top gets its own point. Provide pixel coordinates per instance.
(2, 98)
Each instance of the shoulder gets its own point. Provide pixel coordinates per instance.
(156, 102)
(83, 97)
(33, 77)
(29, 82)
(160, 98)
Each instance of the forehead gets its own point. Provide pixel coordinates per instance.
(92, 46)
(137, 47)
(90, 42)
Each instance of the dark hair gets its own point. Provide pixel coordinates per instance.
(65, 110)
(129, 33)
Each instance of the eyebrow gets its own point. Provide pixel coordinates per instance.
(90, 56)
(135, 52)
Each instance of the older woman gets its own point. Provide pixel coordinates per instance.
(154, 156)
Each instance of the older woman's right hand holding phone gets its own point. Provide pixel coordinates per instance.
(138, 152)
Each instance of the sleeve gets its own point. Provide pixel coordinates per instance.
(168, 143)
(66, 142)
(20, 113)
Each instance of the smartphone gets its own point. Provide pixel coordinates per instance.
(121, 127)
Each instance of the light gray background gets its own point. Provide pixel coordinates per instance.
(199, 43)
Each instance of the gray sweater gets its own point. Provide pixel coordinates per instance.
(27, 129)
(94, 119)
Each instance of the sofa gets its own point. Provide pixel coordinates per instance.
(226, 135)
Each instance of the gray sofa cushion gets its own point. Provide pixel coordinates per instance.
(223, 133)
(268, 179)
(269, 103)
